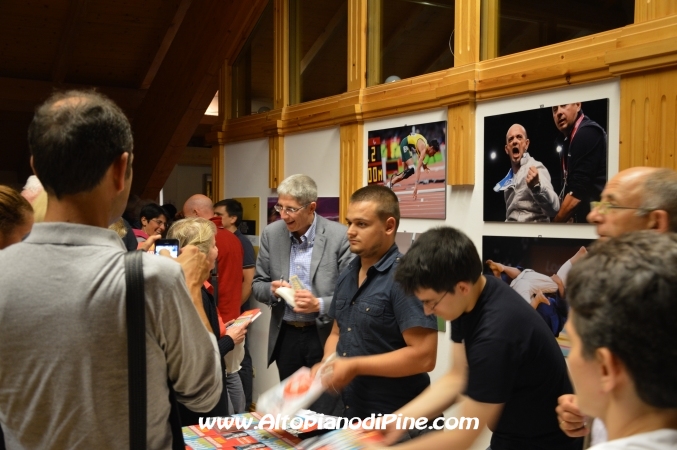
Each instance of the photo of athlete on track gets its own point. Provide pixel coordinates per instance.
(411, 160)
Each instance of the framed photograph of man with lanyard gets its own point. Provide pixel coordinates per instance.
(545, 164)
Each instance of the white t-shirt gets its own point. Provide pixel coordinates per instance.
(664, 439)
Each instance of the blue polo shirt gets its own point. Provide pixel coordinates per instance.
(371, 319)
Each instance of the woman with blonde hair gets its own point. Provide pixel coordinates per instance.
(201, 233)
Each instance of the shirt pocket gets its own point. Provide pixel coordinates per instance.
(341, 303)
(370, 320)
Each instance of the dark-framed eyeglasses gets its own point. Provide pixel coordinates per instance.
(426, 303)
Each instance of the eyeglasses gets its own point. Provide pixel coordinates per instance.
(604, 207)
(288, 210)
(160, 222)
(427, 302)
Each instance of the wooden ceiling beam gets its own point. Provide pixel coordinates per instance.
(165, 44)
(74, 18)
(24, 95)
(211, 32)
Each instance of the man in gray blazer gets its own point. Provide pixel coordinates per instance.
(316, 250)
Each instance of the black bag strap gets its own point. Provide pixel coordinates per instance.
(136, 349)
(136, 360)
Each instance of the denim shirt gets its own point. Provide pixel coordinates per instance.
(371, 319)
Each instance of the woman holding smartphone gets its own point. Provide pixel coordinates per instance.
(201, 233)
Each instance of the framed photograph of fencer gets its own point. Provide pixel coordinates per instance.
(537, 269)
(410, 160)
(545, 164)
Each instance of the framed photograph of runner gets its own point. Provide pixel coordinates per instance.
(410, 160)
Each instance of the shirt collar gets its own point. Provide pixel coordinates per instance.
(64, 233)
(309, 235)
(383, 264)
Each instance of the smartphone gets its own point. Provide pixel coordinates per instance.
(171, 245)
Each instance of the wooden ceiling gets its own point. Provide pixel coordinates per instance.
(158, 59)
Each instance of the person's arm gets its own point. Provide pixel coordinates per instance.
(487, 414)
(439, 396)
(538, 181)
(419, 163)
(343, 258)
(262, 282)
(571, 420)
(329, 346)
(148, 244)
(419, 355)
(196, 271)
(247, 279)
(566, 209)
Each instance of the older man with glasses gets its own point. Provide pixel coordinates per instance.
(314, 249)
(639, 198)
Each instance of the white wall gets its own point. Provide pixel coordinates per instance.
(183, 182)
(317, 154)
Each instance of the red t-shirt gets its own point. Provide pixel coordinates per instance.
(229, 266)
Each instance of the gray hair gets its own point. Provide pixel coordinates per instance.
(300, 187)
(623, 298)
(660, 192)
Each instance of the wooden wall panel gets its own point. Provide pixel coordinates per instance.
(467, 32)
(352, 164)
(218, 172)
(276, 161)
(461, 144)
(649, 119)
(281, 54)
(646, 10)
(357, 44)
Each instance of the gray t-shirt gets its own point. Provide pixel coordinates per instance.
(63, 351)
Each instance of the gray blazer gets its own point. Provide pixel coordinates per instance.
(331, 254)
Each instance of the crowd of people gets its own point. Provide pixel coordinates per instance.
(360, 298)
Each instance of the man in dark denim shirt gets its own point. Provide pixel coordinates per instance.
(384, 341)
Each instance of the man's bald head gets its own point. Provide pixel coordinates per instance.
(516, 128)
(199, 206)
(643, 197)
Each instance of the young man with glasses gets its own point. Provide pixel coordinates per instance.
(315, 250)
(505, 361)
(384, 341)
